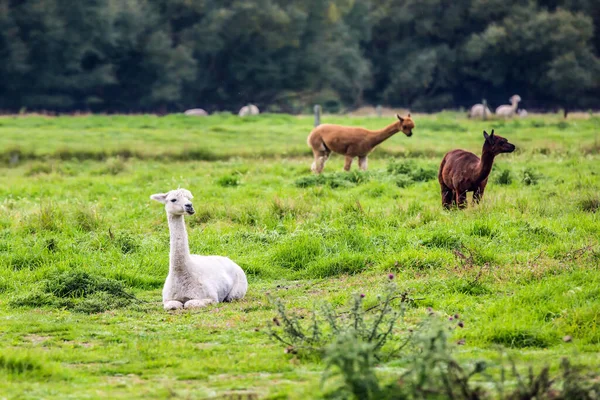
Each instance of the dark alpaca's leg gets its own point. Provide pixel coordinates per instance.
(348, 163)
(461, 199)
(447, 196)
(478, 194)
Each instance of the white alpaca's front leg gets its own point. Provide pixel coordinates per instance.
(198, 303)
(172, 305)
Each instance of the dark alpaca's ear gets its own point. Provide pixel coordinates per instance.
(400, 118)
(489, 138)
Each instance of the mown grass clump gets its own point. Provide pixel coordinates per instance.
(78, 291)
(334, 180)
(407, 173)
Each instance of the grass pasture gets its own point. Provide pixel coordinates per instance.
(522, 268)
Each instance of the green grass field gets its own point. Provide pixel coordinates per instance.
(522, 268)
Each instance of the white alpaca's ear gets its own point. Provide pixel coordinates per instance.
(160, 197)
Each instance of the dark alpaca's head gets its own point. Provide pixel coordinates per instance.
(406, 125)
(497, 144)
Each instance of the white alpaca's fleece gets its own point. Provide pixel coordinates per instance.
(193, 280)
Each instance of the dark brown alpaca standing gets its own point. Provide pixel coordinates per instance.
(462, 171)
(351, 141)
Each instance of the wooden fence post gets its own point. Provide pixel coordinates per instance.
(484, 102)
(317, 115)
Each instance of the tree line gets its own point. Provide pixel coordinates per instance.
(285, 55)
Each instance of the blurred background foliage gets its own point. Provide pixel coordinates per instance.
(285, 55)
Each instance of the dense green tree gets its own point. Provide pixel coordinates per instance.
(160, 55)
(14, 56)
(545, 56)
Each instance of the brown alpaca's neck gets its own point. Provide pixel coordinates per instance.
(376, 137)
(485, 165)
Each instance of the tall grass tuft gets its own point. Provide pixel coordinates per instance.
(49, 218)
(589, 204)
(530, 176)
(504, 178)
(87, 218)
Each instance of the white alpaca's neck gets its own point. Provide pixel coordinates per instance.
(180, 249)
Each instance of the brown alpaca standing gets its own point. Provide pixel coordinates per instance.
(351, 141)
(462, 171)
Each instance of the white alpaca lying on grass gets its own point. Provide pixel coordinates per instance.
(195, 281)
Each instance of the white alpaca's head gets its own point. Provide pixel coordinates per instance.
(515, 98)
(177, 202)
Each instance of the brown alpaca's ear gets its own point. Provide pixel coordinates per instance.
(408, 115)
(400, 118)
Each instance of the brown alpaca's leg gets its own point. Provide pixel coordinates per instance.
(348, 163)
(362, 163)
(319, 163)
(313, 167)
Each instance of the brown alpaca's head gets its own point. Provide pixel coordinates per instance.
(406, 125)
(497, 144)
